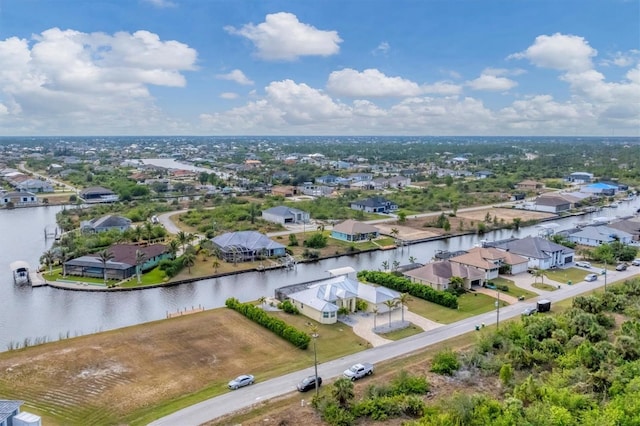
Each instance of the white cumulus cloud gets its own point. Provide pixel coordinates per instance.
(369, 83)
(560, 52)
(237, 76)
(492, 83)
(283, 37)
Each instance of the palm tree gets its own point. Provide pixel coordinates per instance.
(216, 265)
(391, 304)
(412, 259)
(394, 232)
(137, 233)
(262, 300)
(188, 259)
(403, 299)
(48, 258)
(174, 245)
(183, 239)
(385, 265)
(343, 391)
(140, 258)
(375, 316)
(395, 265)
(148, 228)
(105, 256)
(205, 253)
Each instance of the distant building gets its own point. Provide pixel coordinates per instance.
(529, 185)
(285, 215)
(354, 231)
(600, 188)
(106, 223)
(540, 252)
(596, 235)
(579, 177)
(552, 204)
(98, 194)
(19, 199)
(246, 246)
(375, 205)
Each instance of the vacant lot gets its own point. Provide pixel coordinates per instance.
(505, 214)
(136, 374)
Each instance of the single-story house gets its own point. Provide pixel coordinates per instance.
(285, 215)
(121, 266)
(106, 223)
(34, 185)
(353, 231)
(529, 185)
(327, 179)
(438, 275)
(375, 205)
(600, 188)
(483, 174)
(98, 194)
(631, 226)
(322, 300)
(19, 198)
(245, 246)
(579, 177)
(285, 191)
(539, 252)
(552, 204)
(597, 235)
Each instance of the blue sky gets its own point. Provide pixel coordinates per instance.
(349, 67)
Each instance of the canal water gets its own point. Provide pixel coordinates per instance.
(42, 313)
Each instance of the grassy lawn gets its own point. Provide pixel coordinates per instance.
(401, 334)
(469, 304)
(94, 379)
(514, 290)
(546, 287)
(570, 274)
(154, 276)
(56, 275)
(383, 242)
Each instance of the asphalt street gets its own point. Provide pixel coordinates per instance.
(263, 391)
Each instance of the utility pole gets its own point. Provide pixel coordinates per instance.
(315, 360)
(605, 275)
(498, 311)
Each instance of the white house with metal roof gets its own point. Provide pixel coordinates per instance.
(595, 235)
(285, 215)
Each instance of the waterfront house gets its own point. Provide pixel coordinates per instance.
(596, 235)
(551, 204)
(354, 231)
(19, 199)
(437, 275)
(106, 223)
(600, 188)
(247, 246)
(322, 300)
(539, 252)
(375, 205)
(285, 215)
(630, 226)
(121, 266)
(490, 260)
(98, 194)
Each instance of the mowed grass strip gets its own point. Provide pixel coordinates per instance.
(574, 275)
(469, 304)
(137, 374)
(514, 290)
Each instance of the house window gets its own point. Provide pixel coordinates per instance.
(325, 315)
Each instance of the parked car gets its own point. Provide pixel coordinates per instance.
(636, 262)
(309, 383)
(530, 311)
(621, 267)
(583, 264)
(591, 277)
(358, 371)
(241, 381)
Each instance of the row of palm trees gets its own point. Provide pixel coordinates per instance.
(395, 264)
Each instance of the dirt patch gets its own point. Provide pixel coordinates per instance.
(505, 214)
(113, 374)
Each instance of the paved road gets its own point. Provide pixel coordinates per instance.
(246, 397)
(64, 185)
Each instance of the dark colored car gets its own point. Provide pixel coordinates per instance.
(621, 267)
(309, 383)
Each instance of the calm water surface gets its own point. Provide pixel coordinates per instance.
(43, 312)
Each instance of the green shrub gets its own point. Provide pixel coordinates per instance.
(404, 285)
(288, 307)
(445, 362)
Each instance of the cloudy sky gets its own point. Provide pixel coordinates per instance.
(326, 67)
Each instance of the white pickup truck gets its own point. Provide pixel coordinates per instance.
(357, 371)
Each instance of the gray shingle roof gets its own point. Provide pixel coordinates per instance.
(534, 247)
(251, 240)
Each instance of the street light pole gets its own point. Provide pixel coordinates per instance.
(605, 275)
(315, 360)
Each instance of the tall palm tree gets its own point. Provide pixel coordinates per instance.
(188, 259)
(216, 265)
(174, 245)
(140, 258)
(403, 299)
(48, 258)
(148, 229)
(183, 239)
(375, 317)
(385, 265)
(105, 256)
(391, 304)
(395, 265)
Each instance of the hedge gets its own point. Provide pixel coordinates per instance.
(293, 335)
(404, 285)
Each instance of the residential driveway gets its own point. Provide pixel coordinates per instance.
(363, 324)
(493, 293)
(525, 281)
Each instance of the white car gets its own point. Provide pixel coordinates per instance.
(583, 264)
(591, 277)
(636, 262)
(241, 381)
